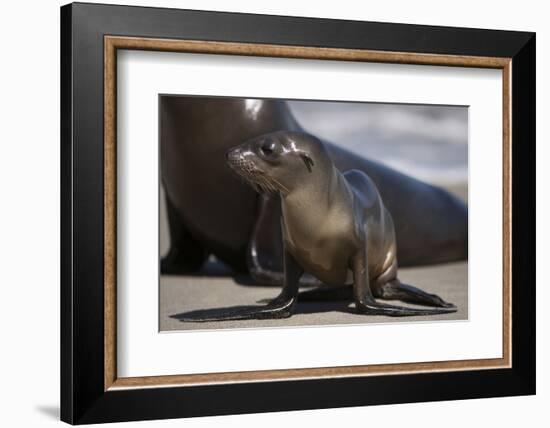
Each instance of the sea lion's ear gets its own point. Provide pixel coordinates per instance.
(307, 160)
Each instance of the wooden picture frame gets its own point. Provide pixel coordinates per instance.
(91, 390)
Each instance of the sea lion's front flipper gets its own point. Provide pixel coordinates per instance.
(364, 299)
(273, 310)
(264, 256)
(280, 307)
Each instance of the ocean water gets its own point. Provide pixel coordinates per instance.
(429, 142)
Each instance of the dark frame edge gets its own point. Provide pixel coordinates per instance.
(66, 304)
(500, 43)
(524, 214)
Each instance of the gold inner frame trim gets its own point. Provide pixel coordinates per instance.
(113, 43)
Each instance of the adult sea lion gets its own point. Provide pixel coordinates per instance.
(335, 226)
(211, 211)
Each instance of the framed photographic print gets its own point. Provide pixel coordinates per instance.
(265, 213)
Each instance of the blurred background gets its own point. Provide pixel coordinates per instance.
(425, 141)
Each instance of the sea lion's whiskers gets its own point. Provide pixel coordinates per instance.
(255, 177)
(281, 186)
(265, 184)
(268, 183)
(274, 184)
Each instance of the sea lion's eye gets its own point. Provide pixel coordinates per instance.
(268, 147)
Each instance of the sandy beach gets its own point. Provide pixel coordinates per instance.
(187, 293)
(215, 287)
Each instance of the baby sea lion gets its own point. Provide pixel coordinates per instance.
(334, 225)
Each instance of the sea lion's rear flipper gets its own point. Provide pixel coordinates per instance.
(364, 299)
(396, 290)
(376, 308)
(186, 255)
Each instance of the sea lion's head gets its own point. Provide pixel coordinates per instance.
(279, 161)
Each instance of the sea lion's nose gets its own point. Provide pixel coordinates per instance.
(233, 155)
(229, 154)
